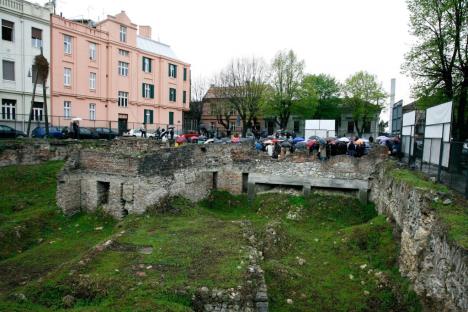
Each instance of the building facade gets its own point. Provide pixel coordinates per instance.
(25, 29)
(112, 74)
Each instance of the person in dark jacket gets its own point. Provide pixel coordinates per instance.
(76, 130)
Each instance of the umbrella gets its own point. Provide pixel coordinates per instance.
(268, 142)
(209, 141)
(235, 140)
(77, 119)
(382, 137)
(297, 140)
(301, 145)
(181, 139)
(285, 144)
(343, 139)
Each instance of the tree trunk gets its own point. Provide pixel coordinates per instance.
(244, 128)
(46, 117)
(462, 123)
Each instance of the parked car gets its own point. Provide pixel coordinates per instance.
(9, 132)
(137, 133)
(85, 133)
(106, 133)
(54, 132)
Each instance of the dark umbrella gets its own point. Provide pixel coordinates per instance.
(286, 144)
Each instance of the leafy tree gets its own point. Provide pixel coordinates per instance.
(438, 61)
(282, 98)
(322, 91)
(364, 96)
(243, 84)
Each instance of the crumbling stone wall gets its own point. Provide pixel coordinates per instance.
(437, 267)
(137, 181)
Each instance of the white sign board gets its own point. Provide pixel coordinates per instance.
(439, 114)
(321, 128)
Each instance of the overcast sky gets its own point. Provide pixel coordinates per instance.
(337, 37)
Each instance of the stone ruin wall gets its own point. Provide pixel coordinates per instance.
(437, 267)
(134, 183)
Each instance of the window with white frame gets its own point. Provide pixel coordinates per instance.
(7, 30)
(123, 34)
(92, 81)
(38, 111)
(92, 51)
(123, 99)
(92, 111)
(172, 70)
(36, 37)
(67, 44)
(8, 70)
(8, 109)
(67, 109)
(124, 52)
(123, 68)
(67, 76)
(146, 65)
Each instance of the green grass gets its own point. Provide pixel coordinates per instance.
(200, 245)
(453, 216)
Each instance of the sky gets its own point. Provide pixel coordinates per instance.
(336, 37)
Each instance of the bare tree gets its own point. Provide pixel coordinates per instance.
(223, 110)
(198, 90)
(243, 84)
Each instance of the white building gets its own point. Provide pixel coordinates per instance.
(25, 29)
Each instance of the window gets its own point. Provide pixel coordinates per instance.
(185, 75)
(172, 70)
(38, 111)
(148, 91)
(172, 94)
(123, 52)
(92, 81)
(350, 126)
(366, 127)
(7, 30)
(92, 51)
(33, 77)
(67, 76)
(92, 111)
(123, 99)
(123, 34)
(36, 37)
(8, 109)
(171, 118)
(123, 68)
(184, 97)
(67, 44)
(146, 65)
(67, 109)
(148, 116)
(296, 125)
(8, 70)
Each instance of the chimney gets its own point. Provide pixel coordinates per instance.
(392, 101)
(145, 31)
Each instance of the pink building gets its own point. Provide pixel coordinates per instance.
(108, 73)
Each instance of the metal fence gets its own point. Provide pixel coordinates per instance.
(427, 146)
(20, 122)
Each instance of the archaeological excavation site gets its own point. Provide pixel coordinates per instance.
(135, 225)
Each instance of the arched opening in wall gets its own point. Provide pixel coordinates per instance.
(102, 192)
(215, 180)
(245, 181)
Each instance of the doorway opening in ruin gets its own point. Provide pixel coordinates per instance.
(245, 181)
(215, 180)
(103, 192)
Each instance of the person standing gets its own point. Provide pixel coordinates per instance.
(76, 130)
(143, 130)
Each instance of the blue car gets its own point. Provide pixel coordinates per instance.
(54, 132)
